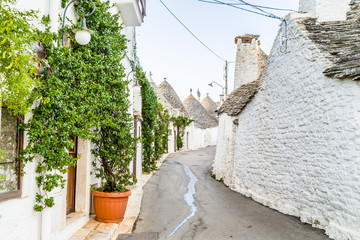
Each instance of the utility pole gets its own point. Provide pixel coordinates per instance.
(226, 78)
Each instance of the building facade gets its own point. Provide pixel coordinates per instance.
(72, 206)
(293, 144)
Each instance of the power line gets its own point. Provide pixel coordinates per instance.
(264, 13)
(265, 7)
(190, 31)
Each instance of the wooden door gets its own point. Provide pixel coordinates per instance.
(71, 182)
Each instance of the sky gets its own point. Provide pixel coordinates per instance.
(168, 51)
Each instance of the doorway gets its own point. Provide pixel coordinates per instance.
(174, 141)
(71, 180)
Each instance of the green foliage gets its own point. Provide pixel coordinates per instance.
(83, 94)
(155, 125)
(17, 59)
(161, 131)
(180, 123)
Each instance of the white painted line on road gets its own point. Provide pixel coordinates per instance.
(188, 197)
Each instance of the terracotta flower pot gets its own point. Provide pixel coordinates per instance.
(110, 207)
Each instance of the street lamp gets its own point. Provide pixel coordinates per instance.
(211, 85)
(83, 34)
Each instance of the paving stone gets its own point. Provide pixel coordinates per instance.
(139, 236)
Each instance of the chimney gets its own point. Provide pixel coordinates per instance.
(325, 10)
(198, 95)
(222, 99)
(247, 60)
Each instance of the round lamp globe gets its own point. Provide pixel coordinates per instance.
(83, 37)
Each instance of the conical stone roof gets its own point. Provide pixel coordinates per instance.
(209, 105)
(171, 96)
(160, 96)
(198, 113)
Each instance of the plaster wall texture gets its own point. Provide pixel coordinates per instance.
(223, 166)
(246, 64)
(199, 137)
(325, 10)
(297, 142)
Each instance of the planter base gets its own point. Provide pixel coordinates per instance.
(110, 207)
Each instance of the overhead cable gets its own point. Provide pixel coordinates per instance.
(262, 13)
(190, 31)
(265, 7)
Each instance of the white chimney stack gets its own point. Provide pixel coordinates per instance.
(325, 10)
(247, 60)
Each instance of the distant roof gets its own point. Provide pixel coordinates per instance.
(340, 41)
(160, 96)
(171, 96)
(199, 114)
(210, 106)
(238, 99)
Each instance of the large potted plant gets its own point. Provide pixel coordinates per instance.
(114, 151)
(112, 135)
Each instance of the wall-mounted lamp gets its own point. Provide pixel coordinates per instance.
(83, 34)
(211, 85)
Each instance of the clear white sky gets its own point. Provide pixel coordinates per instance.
(167, 50)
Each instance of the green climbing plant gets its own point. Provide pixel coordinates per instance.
(83, 94)
(180, 123)
(155, 125)
(17, 59)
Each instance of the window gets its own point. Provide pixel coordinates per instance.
(10, 145)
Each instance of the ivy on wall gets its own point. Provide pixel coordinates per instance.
(180, 123)
(162, 131)
(155, 125)
(17, 59)
(83, 94)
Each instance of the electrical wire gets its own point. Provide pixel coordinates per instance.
(255, 7)
(236, 4)
(262, 13)
(190, 31)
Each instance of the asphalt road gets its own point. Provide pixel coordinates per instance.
(218, 212)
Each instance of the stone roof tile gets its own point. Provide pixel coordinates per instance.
(340, 41)
(239, 98)
(171, 96)
(199, 114)
(210, 106)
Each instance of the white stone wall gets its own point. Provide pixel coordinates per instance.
(325, 10)
(199, 138)
(297, 144)
(224, 158)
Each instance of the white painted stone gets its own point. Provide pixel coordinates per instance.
(199, 138)
(246, 63)
(325, 10)
(297, 142)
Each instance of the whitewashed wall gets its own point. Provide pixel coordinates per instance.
(224, 158)
(199, 138)
(297, 145)
(325, 10)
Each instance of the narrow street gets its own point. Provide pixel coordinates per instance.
(216, 212)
